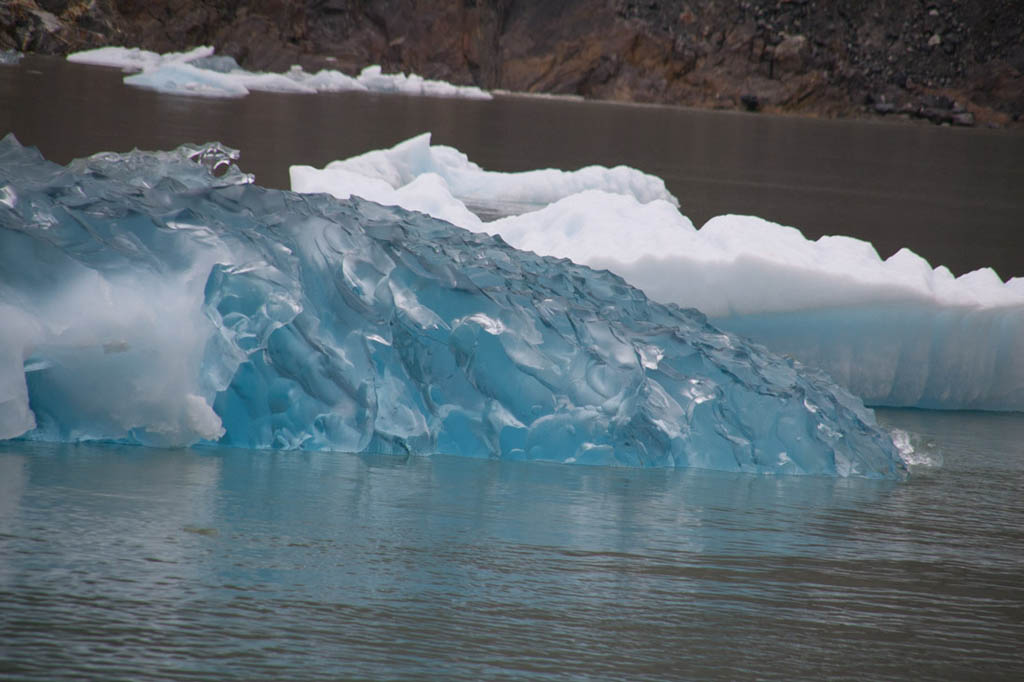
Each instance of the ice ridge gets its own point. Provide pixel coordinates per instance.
(145, 299)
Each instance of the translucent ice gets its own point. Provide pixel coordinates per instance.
(894, 331)
(200, 72)
(145, 299)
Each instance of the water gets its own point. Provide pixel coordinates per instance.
(954, 196)
(131, 563)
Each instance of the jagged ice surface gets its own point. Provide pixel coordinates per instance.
(424, 172)
(199, 72)
(146, 300)
(894, 331)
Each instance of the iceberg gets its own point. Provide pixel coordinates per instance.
(137, 59)
(185, 79)
(404, 164)
(200, 72)
(895, 332)
(374, 80)
(165, 299)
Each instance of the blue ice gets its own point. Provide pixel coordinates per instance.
(164, 299)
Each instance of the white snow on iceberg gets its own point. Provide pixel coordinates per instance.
(136, 59)
(185, 79)
(465, 182)
(199, 72)
(894, 331)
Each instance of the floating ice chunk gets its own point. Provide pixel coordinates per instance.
(342, 184)
(428, 193)
(407, 160)
(136, 59)
(150, 301)
(894, 331)
(173, 73)
(270, 82)
(622, 225)
(915, 450)
(326, 80)
(179, 79)
(374, 80)
(9, 57)
(185, 79)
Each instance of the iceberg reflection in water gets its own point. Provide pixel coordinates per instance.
(221, 564)
(149, 300)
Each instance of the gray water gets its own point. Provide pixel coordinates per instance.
(139, 564)
(954, 196)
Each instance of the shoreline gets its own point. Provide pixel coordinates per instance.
(898, 118)
(855, 116)
(947, 63)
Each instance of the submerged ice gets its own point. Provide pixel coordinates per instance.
(145, 299)
(895, 332)
(199, 72)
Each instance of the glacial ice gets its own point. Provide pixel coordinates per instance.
(199, 72)
(146, 299)
(895, 332)
(10, 57)
(185, 79)
(402, 165)
(137, 59)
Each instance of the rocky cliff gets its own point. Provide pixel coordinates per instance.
(949, 61)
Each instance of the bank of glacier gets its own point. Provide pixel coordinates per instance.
(155, 298)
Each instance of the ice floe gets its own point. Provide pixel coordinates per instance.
(201, 73)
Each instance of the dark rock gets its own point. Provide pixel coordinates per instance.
(791, 53)
(938, 102)
(824, 58)
(962, 118)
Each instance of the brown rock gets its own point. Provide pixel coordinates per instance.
(790, 55)
(819, 58)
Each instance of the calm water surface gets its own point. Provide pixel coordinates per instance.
(954, 196)
(133, 563)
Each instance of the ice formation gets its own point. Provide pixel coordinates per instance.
(894, 331)
(10, 57)
(382, 172)
(200, 72)
(146, 299)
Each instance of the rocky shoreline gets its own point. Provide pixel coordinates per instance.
(946, 61)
